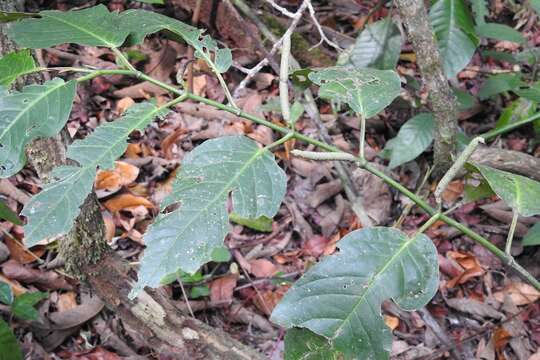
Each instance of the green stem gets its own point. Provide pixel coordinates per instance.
(428, 223)
(362, 136)
(496, 132)
(122, 59)
(505, 258)
(508, 247)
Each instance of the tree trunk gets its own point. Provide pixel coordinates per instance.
(87, 256)
(442, 100)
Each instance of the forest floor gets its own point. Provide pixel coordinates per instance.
(481, 310)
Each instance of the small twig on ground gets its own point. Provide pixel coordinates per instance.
(324, 38)
(284, 77)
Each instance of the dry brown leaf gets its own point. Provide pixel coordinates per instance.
(170, 140)
(470, 265)
(110, 226)
(315, 245)
(501, 337)
(43, 279)
(262, 268)
(133, 151)
(391, 321)
(124, 201)
(123, 104)
(122, 174)
(199, 85)
(474, 307)
(222, 289)
(535, 356)
(20, 253)
(453, 191)
(66, 301)
(268, 300)
(521, 294)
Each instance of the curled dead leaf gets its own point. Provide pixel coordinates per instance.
(222, 289)
(469, 263)
(520, 293)
(262, 268)
(124, 201)
(112, 180)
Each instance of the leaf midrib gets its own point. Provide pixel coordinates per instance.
(30, 105)
(369, 285)
(62, 20)
(88, 166)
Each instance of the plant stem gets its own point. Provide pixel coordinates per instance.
(324, 156)
(505, 258)
(122, 59)
(496, 132)
(508, 247)
(428, 223)
(284, 77)
(362, 136)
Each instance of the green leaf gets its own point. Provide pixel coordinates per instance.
(378, 46)
(480, 11)
(499, 83)
(499, 32)
(366, 91)
(516, 111)
(7, 214)
(518, 192)
(186, 237)
(263, 223)
(530, 56)
(199, 291)
(465, 100)
(6, 16)
(501, 56)
(221, 254)
(6, 295)
(532, 238)
(23, 305)
(16, 64)
(413, 138)
(36, 111)
(302, 344)
(340, 297)
(9, 347)
(535, 5)
(454, 30)
(95, 26)
(53, 210)
(531, 92)
(141, 23)
(474, 193)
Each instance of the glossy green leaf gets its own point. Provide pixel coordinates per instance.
(16, 64)
(454, 30)
(465, 100)
(9, 347)
(532, 238)
(530, 55)
(262, 223)
(499, 32)
(53, 210)
(378, 46)
(6, 16)
(186, 237)
(221, 254)
(340, 297)
(7, 214)
(501, 56)
(499, 83)
(94, 26)
(413, 138)
(23, 305)
(474, 193)
(366, 91)
(518, 192)
(141, 23)
(36, 111)
(302, 344)
(6, 295)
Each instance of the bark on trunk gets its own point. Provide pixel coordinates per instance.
(413, 13)
(88, 256)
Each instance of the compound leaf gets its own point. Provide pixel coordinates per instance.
(413, 138)
(36, 111)
(518, 192)
(340, 297)
(378, 46)
(9, 347)
(454, 30)
(366, 91)
(16, 64)
(95, 26)
(187, 237)
(53, 210)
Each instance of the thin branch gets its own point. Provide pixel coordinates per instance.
(324, 38)
(284, 77)
(508, 247)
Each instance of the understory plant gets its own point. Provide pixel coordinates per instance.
(334, 309)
